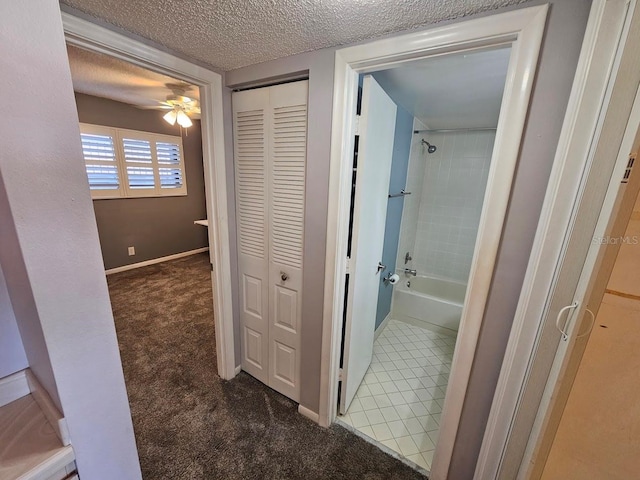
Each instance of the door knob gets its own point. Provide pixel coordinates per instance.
(381, 267)
(284, 276)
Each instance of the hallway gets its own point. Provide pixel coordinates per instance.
(188, 423)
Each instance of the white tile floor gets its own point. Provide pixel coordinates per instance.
(400, 399)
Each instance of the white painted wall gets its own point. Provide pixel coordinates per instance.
(49, 247)
(411, 206)
(454, 184)
(12, 356)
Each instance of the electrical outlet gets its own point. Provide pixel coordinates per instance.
(132, 251)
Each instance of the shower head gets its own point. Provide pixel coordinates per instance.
(430, 148)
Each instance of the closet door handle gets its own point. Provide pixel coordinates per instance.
(562, 310)
(593, 321)
(284, 276)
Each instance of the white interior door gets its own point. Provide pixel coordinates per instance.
(288, 153)
(250, 145)
(375, 149)
(270, 149)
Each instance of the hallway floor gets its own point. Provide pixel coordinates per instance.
(400, 399)
(190, 424)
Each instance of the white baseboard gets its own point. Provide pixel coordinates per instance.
(54, 417)
(238, 369)
(381, 326)
(308, 413)
(23, 383)
(13, 387)
(153, 261)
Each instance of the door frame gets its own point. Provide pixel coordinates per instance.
(599, 63)
(89, 36)
(522, 29)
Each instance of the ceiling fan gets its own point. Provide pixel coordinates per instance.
(181, 108)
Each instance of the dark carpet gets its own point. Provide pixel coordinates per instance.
(190, 424)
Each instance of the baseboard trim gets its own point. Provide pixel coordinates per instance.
(54, 417)
(153, 261)
(238, 369)
(13, 387)
(305, 412)
(381, 326)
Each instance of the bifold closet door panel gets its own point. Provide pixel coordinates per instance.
(251, 147)
(287, 154)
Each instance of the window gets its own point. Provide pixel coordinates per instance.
(128, 163)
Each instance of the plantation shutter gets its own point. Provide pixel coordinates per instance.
(131, 163)
(99, 152)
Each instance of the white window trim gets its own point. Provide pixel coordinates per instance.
(125, 190)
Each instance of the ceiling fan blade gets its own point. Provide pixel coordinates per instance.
(156, 107)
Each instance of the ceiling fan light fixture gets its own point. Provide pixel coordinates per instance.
(171, 116)
(183, 119)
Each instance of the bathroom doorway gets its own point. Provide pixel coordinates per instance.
(422, 158)
(432, 155)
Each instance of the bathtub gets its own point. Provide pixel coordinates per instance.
(429, 302)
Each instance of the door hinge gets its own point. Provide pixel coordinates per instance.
(340, 374)
(211, 264)
(627, 171)
(348, 266)
(356, 124)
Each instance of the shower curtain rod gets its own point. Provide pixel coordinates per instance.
(453, 129)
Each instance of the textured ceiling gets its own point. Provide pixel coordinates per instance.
(451, 91)
(108, 77)
(228, 34)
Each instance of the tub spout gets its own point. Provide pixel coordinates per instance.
(408, 271)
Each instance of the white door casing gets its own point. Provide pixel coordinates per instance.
(270, 139)
(375, 150)
(96, 38)
(521, 28)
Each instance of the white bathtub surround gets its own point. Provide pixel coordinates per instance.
(411, 205)
(453, 186)
(431, 303)
(400, 399)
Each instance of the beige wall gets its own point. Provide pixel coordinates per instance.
(559, 56)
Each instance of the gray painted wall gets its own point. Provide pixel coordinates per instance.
(556, 68)
(158, 226)
(49, 248)
(399, 166)
(561, 47)
(12, 355)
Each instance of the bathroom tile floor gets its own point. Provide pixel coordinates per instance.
(400, 399)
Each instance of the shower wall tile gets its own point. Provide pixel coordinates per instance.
(443, 222)
(415, 175)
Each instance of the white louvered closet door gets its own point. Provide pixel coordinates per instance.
(288, 152)
(270, 196)
(250, 117)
